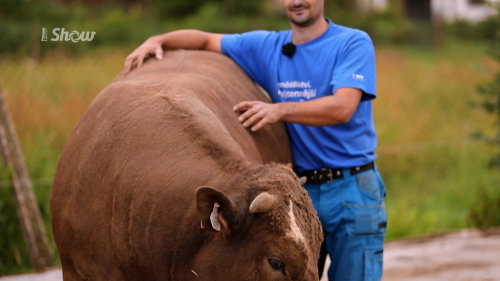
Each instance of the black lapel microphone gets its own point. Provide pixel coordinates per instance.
(288, 49)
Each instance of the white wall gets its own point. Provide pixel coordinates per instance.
(451, 10)
(367, 5)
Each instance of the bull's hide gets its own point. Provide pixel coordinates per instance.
(159, 181)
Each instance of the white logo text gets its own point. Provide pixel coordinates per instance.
(60, 34)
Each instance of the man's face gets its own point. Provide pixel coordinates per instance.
(303, 12)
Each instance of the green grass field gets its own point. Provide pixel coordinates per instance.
(433, 170)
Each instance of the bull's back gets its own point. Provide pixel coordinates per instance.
(206, 86)
(125, 181)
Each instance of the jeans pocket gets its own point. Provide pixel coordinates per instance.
(371, 185)
(373, 264)
(364, 219)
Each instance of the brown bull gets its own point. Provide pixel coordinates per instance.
(159, 181)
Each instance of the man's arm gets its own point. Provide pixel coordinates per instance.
(181, 39)
(330, 110)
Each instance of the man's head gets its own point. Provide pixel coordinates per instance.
(303, 12)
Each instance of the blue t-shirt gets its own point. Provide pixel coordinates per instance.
(340, 57)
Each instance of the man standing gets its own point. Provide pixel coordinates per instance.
(321, 79)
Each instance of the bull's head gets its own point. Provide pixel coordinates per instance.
(266, 229)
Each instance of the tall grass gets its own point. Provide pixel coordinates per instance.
(45, 99)
(432, 168)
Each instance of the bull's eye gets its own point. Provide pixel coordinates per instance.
(277, 264)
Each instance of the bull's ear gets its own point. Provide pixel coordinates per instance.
(215, 210)
(302, 180)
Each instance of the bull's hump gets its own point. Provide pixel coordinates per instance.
(204, 125)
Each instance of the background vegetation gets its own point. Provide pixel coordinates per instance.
(435, 148)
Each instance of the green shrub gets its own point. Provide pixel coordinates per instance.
(485, 211)
(179, 8)
(15, 36)
(483, 30)
(14, 257)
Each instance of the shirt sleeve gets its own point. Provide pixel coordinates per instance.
(356, 67)
(249, 52)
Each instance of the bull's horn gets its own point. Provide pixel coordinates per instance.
(263, 203)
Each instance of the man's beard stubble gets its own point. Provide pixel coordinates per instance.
(303, 23)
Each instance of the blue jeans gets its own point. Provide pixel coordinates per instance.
(352, 213)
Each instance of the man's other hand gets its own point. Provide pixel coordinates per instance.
(257, 114)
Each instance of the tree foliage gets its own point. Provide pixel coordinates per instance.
(485, 211)
(490, 92)
(182, 8)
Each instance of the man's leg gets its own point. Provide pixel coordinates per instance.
(355, 223)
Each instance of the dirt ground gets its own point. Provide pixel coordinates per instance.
(468, 255)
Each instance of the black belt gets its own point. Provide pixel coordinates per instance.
(326, 175)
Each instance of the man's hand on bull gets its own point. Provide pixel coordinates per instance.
(257, 114)
(151, 47)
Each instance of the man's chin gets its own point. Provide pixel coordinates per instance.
(302, 22)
